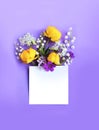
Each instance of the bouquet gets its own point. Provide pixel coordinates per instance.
(47, 51)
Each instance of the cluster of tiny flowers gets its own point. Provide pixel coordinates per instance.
(18, 50)
(40, 42)
(69, 39)
(48, 50)
(69, 43)
(27, 39)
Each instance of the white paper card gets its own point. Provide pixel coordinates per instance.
(48, 87)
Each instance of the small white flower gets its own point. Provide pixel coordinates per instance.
(63, 58)
(66, 37)
(69, 33)
(72, 47)
(42, 38)
(21, 49)
(67, 54)
(37, 46)
(42, 44)
(16, 53)
(66, 41)
(67, 45)
(38, 41)
(16, 48)
(63, 53)
(44, 41)
(72, 41)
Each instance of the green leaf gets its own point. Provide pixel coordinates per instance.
(47, 52)
(42, 52)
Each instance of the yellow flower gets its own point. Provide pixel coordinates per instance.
(53, 33)
(27, 56)
(54, 58)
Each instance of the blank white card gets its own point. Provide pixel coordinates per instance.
(48, 87)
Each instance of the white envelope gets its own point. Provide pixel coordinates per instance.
(48, 87)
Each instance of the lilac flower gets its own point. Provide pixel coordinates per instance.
(49, 66)
(41, 61)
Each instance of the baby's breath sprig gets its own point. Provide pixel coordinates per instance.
(69, 39)
(18, 50)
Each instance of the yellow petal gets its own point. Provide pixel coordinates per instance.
(27, 56)
(54, 58)
(53, 33)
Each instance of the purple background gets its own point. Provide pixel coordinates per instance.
(18, 17)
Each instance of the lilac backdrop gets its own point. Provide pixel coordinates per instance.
(19, 16)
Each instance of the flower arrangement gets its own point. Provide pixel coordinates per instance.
(46, 51)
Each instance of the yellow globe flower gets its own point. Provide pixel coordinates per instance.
(53, 33)
(54, 58)
(27, 56)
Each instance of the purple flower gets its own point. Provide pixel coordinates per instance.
(49, 66)
(34, 47)
(71, 54)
